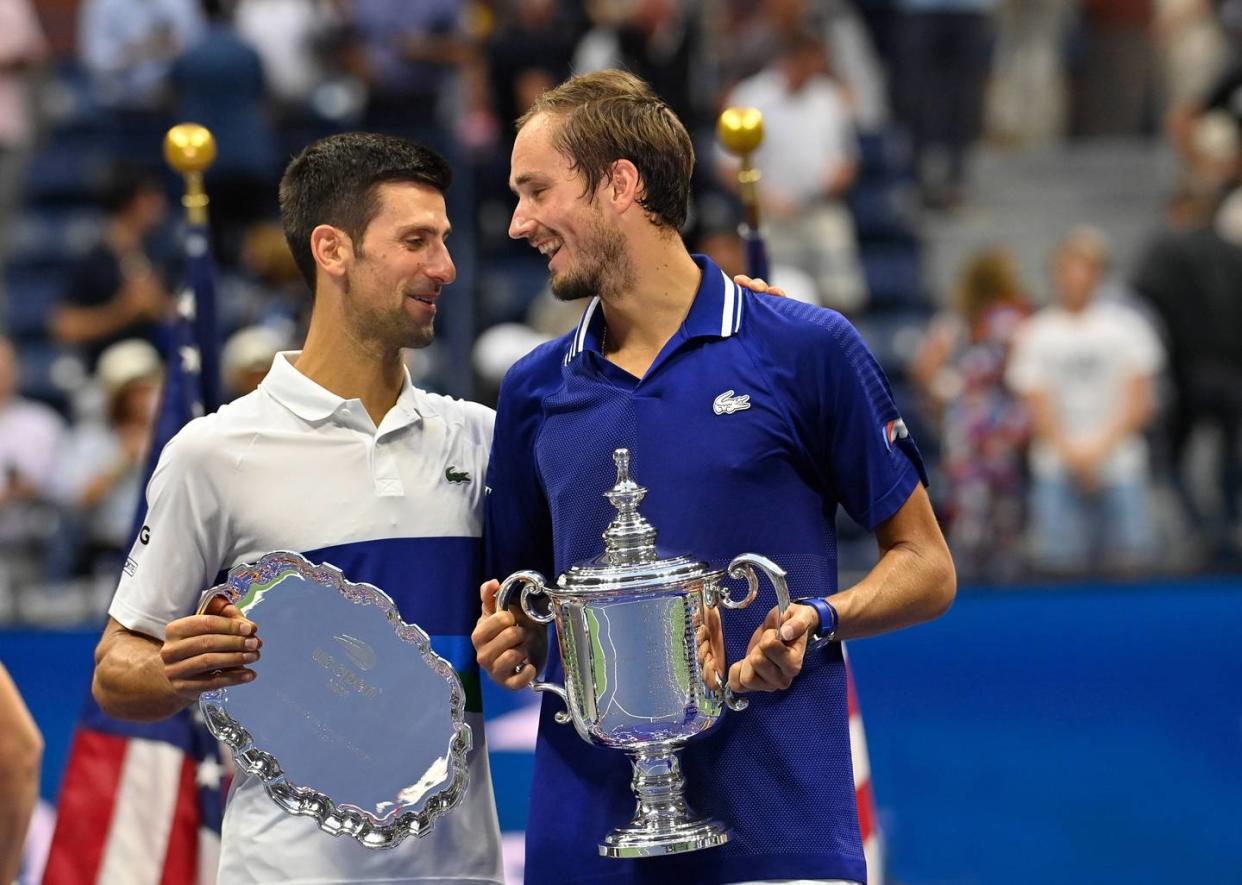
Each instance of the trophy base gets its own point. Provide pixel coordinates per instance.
(692, 835)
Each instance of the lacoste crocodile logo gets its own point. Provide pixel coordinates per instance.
(456, 477)
(727, 403)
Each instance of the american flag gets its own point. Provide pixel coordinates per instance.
(141, 803)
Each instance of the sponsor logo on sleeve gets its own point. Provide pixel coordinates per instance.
(893, 431)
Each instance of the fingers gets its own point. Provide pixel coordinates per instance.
(770, 663)
(212, 681)
(488, 627)
(501, 644)
(207, 664)
(220, 625)
(798, 621)
(210, 651)
(186, 639)
(521, 678)
(760, 286)
(487, 593)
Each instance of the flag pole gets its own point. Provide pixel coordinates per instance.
(740, 130)
(190, 149)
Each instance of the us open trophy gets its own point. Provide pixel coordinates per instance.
(643, 651)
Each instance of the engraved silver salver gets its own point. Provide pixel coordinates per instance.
(642, 642)
(352, 718)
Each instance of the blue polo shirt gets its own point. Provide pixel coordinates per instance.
(758, 418)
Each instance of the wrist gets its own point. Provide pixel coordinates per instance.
(829, 620)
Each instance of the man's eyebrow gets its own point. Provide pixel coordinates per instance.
(524, 178)
(425, 230)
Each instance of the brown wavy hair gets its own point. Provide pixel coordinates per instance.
(612, 115)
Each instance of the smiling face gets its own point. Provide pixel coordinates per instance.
(398, 270)
(585, 250)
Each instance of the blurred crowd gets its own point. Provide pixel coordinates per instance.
(1057, 413)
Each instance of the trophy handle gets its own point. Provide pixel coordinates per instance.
(533, 584)
(744, 566)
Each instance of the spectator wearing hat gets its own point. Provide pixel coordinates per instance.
(247, 357)
(100, 472)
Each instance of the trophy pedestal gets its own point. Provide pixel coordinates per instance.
(663, 822)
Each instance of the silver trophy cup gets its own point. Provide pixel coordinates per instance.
(642, 643)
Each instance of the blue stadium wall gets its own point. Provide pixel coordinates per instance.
(1080, 733)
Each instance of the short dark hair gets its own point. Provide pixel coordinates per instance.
(335, 181)
(612, 115)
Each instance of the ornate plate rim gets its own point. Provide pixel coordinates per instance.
(302, 800)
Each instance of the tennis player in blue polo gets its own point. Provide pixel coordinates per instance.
(750, 419)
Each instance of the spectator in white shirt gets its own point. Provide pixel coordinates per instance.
(1085, 367)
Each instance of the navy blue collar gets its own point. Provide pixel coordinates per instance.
(715, 313)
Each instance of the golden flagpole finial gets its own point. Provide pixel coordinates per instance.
(191, 149)
(740, 130)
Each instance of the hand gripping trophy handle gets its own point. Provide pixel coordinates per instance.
(743, 566)
(534, 584)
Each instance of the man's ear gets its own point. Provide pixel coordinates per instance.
(332, 249)
(622, 187)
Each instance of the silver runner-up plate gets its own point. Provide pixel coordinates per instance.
(351, 719)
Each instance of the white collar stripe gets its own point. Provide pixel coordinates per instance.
(737, 321)
(583, 325)
(726, 318)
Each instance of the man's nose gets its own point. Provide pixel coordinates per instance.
(442, 269)
(520, 224)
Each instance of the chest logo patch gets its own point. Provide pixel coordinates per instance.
(727, 403)
(455, 476)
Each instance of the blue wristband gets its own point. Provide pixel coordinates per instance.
(828, 620)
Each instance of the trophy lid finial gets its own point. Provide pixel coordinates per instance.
(629, 538)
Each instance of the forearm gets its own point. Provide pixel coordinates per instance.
(906, 587)
(914, 580)
(21, 753)
(129, 680)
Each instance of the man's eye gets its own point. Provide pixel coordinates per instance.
(416, 243)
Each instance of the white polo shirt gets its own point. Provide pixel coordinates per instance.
(295, 467)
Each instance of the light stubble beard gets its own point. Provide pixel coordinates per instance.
(392, 331)
(608, 273)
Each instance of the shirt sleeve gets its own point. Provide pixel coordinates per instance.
(857, 439)
(182, 545)
(517, 528)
